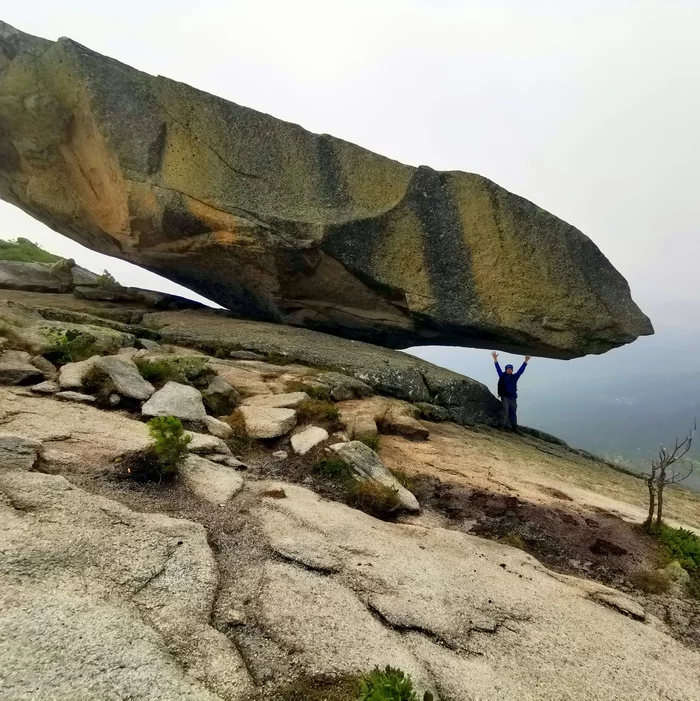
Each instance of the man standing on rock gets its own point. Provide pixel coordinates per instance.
(508, 391)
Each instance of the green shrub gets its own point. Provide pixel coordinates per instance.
(373, 498)
(311, 410)
(331, 466)
(159, 461)
(370, 440)
(680, 544)
(186, 370)
(24, 251)
(314, 391)
(171, 441)
(651, 581)
(388, 684)
(106, 280)
(70, 346)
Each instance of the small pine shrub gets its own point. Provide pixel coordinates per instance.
(311, 410)
(159, 461)
(331, 466)
(314, 391)
(70, 346)
(370, 440)
(651, 581)
(373, 498)
(171, 441)
(388, 684)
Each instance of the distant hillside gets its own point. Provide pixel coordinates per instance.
(24, 251)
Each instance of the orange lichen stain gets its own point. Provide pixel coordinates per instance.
(97, 178)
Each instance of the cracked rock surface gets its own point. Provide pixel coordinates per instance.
(97, 601)
(470, 619)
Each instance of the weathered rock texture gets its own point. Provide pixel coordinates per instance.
(280, 224)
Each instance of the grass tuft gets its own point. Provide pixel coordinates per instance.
(370, 440)
(312, 410)
(403, 479)
(188, 370)
(373, 498)
(319, 392)
(22, 250)
(651, 581)
(331, 466)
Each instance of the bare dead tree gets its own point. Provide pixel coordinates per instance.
(663, 472)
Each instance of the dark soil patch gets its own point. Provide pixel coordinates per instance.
(605, 547)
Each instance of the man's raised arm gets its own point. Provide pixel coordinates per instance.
(523, 366)
(495, 361)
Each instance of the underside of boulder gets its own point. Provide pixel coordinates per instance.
(279, 224)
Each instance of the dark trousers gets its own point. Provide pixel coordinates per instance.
(509, 410)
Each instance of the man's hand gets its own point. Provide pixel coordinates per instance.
(495, 356)
(527, 358)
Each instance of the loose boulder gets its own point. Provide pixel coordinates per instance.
(366, 465)
(209, 480)
(267, 422)
(178, 400)
(279, 224)
(72, 375)
(219, 397)
(18, 452)
(307, 439)
(16, 369)
(285, 401)
(124, 376)
(343, 387)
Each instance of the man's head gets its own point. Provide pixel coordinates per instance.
(509, 369)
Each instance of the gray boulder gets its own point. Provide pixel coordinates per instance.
(72, 375)
(285, 401)
(178, 400)
(16, 369)
(366, 465)
(267, 422)
(314, 231)
(31, 277)
(209, 480)
(71, 396)
(344, 387)
(18, 452)
(220, 398)
(46, 366)
(47, 387)
(204, 444)
(307, 439)
(124, 377)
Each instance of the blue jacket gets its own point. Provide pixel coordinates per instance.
(511, 381)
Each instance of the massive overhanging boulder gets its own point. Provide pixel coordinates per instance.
(279, 224)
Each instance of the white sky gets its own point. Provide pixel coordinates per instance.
(589, 108)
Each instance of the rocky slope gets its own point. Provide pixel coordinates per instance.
(255, 571)
(279, 224)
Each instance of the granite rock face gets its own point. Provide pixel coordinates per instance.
(279, 224)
